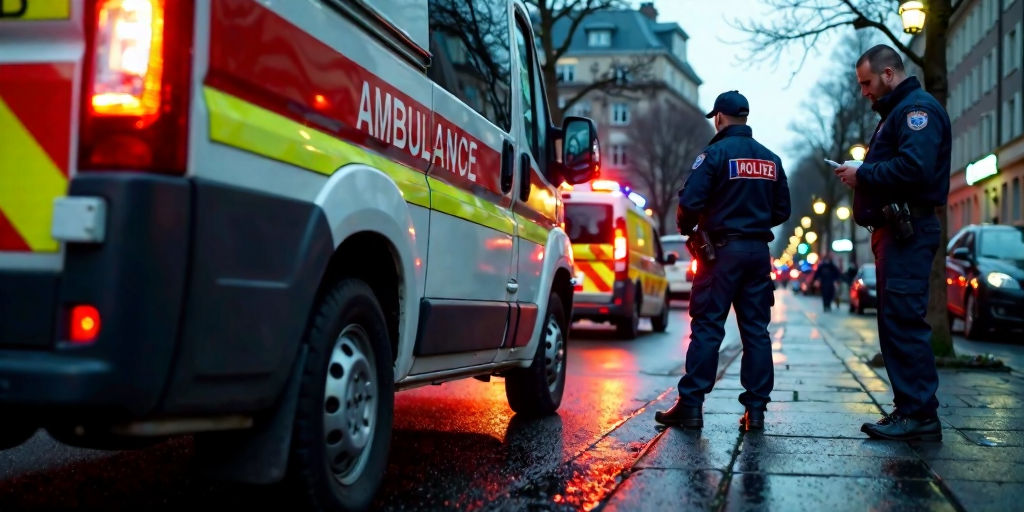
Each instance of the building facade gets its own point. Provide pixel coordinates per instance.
(612, 40)
(985, 58)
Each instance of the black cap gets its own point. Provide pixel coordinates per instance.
(730, 103)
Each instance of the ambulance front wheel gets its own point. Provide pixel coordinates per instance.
(346, 402)
(537, 390)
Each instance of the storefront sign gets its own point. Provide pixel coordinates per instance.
(981, 169)
(842, 245)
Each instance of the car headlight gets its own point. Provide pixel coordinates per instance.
(1001, 280)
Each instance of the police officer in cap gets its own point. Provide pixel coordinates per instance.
(736, 193)
(904, 177)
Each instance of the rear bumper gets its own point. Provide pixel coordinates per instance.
(620, 304)
(135, 279)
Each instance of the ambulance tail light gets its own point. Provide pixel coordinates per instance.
(84, 323)
(620, 245)
(135, 90)
(693, 266)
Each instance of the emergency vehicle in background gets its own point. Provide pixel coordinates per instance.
(619, 273)
(255, 220)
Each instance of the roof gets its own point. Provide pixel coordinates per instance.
(632, 32)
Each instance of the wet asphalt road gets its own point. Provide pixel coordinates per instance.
(455, 446)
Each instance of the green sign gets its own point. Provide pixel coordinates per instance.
(981, 169)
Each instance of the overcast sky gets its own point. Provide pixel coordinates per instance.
(713, 51)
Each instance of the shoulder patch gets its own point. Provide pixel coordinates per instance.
(752, 168)
(917, 120)
(699, 160)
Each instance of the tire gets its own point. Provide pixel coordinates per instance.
(660, 322)
(974, 326)
(537, 390)
(349, 361)
(629, 328)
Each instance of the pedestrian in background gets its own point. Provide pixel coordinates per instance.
(904, 178)
(827, 274)
(736, 193)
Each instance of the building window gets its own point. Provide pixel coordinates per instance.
(1012, 122)
(581, 108)
(565, 72)
(1016, 199)
(618, 155)
(1011, 50)
(1004, 213)
(620, 114)
(599, 38)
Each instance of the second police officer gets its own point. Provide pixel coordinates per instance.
(735, 194)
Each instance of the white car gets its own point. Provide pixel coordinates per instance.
(680, 275)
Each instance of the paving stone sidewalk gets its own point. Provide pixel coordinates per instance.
(812, 455)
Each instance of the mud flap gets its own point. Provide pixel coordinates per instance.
(258, 455)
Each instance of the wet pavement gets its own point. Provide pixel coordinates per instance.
(456, 446)
(459, 447)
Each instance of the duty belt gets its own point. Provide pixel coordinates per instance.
(915, 211)
(722, 241)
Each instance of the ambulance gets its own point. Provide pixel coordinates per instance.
(254, 221)
(620, 264)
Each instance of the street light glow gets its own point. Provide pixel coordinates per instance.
(858, 151)
(811, 236)
(812, 258)
(843, 213)
(794, 240)
(806, 222)
(913, 16)
(819, 207)
(803, 248)
(799, 231)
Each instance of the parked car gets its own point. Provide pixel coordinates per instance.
(680, 274)
(862, 291)
(984, 271)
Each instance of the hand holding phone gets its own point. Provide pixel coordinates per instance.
(835, 165)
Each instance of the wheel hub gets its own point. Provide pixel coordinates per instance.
(554, 353)
(350, 404)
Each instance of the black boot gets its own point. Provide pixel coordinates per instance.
(902, 428)
(681, 415)
(753, 419)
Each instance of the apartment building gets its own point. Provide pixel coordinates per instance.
(614, 39)
(985, 57)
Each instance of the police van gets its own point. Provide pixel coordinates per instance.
(255, 220)
(620, 264)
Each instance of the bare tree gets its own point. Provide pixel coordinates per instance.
(632, 73)
(664, 140)
(804, 22)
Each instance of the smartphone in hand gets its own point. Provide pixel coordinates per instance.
(835, 165)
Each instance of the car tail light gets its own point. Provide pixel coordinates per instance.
(693, 266)
(620, 245)
(85, 324)
(136, 85)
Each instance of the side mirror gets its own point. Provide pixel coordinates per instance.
(962, 253)
(581, 152)
(671, 258)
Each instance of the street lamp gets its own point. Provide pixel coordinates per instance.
(819, 207)
(858, 151)
(799, 231)
(811, 236)
(805, 222)
(913, 15)
(793, 240)
(843, 213)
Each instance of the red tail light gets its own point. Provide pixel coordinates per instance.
(693, 266)
(620, 245)
(135, 90)
(84, 324)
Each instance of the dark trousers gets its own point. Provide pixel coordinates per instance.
(828, 294)
(738, 278)
(902, 269)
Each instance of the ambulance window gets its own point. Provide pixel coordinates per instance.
(533, 100)
(472, 56)
(589, 223)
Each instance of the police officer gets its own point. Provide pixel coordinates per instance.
(904, 177)
(736, 193)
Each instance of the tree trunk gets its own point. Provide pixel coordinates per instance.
(937, 84)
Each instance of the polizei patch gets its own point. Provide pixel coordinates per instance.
(752, 168)
(700, 160)
(917, 120)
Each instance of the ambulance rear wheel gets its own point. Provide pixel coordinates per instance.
(346, 402)
(660, 322)
(629, 327)
(537, 390)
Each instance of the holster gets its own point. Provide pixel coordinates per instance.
(897, 216)
(700, 247)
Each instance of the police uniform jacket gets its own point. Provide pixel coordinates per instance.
(908, 158)
(736, 188)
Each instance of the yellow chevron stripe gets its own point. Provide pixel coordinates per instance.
(30, 181)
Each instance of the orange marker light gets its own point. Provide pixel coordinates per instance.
(85, 324)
